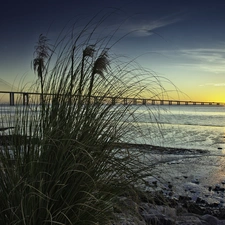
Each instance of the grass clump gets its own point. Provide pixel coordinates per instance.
(68, 169)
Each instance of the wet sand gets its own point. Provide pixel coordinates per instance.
(196, 175)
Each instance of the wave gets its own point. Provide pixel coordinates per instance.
(179, 124)
(203, 125)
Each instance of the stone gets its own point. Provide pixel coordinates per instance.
(200, 201)
(194, 208)
(123, 219)
(184, 198)
(147, 209)
(218, 188)
(196, 181)
(159, 219)
(181, 210)
(214, 205)
(210, 219)
(188, 220)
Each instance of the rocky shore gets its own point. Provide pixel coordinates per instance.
(188, 188)
(166, 215)
(162, 210)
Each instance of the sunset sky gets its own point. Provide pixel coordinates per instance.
(183, 41)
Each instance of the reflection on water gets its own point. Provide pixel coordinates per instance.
(194, 127)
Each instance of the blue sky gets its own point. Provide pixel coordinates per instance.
(183, 41)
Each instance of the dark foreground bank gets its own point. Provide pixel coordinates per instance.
(178, 192)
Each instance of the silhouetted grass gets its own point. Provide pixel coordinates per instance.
(68, 169)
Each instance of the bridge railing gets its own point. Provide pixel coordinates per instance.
(29, 98)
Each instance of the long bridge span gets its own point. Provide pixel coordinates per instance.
(26, 98)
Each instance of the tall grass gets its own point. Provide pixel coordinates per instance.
(63, 166)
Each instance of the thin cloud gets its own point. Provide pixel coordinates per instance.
(209, 60)
(220, 85)
(204, 59)
(213, 84)
(210, 55)
(148, 28)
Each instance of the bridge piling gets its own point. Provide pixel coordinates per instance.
(11, 98)
(95, 100)
(25, 99)
(113, 100)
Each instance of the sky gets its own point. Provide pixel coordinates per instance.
(182, 41)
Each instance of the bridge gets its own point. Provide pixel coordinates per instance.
(26, 98)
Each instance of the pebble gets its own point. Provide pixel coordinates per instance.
(165, 215)
(180, 211)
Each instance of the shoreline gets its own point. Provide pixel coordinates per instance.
(159, 149)
(186, 177)
(153, 149)
(197, 183)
